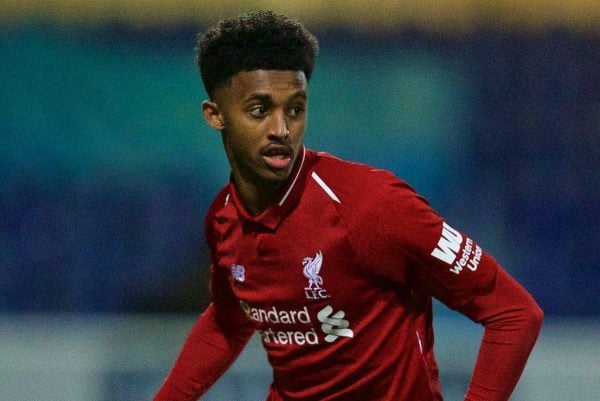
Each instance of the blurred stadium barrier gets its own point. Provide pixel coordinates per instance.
(433, 15)
(125, 358)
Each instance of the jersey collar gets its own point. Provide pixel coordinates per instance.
(273, 215)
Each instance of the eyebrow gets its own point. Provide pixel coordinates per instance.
(267, 98)
(258, 96)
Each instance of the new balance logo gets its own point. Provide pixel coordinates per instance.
(448, 245)
(238, 273)
(334, 325)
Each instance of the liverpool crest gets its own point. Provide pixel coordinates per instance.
(312, 268)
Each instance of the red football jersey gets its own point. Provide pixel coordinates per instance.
(337, 278)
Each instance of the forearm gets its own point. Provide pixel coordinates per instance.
(512, 320)
(206, 354)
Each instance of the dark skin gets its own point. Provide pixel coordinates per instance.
(261, 115)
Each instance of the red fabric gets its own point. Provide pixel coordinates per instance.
(511, 318)
(362, 329)
(207, 353)
(512, 321)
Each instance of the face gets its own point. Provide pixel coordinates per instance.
(262, 116)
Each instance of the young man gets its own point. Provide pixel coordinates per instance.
(333, 263)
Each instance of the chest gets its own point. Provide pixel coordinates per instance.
(307, 260)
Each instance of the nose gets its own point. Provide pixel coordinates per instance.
(278, 128)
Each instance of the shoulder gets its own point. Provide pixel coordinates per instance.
(374, 198)
(218, 203)
(358, 183)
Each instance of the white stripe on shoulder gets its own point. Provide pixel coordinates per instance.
(227, 199)
(325, 187)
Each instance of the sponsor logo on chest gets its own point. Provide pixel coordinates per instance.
(333, 324)
(299, 324)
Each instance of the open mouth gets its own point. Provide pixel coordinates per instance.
(277, 156)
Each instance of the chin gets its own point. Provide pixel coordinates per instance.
(278, 178)
(275, 176)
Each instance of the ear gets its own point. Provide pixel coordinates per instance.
(212, 115)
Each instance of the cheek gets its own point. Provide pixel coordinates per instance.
(240, 138)
(298, 129)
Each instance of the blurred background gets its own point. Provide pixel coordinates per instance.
(491, 110)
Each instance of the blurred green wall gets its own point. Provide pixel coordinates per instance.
(107, 167)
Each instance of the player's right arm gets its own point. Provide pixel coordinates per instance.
(215, 340)
(213, 344)
(208, 351)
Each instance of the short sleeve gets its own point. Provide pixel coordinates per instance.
(404, 241)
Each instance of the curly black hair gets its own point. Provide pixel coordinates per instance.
(259, 40)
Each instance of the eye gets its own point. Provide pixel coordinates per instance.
(258, 111)
(296, 111)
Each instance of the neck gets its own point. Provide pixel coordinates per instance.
(257, 197)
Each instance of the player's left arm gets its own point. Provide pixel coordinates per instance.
(445, 263)
(512, 321)
(456, 270)
(475, 285)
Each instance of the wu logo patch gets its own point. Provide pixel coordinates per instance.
(448, 246)
(312, 268)
(238, 273)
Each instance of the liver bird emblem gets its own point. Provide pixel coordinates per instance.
(312, 267)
